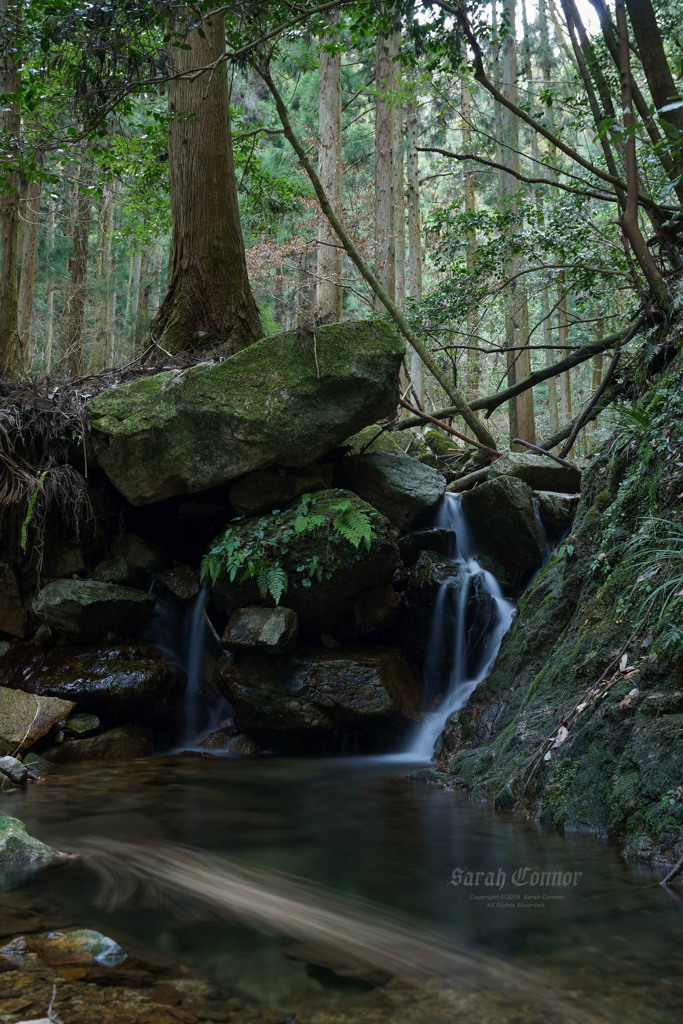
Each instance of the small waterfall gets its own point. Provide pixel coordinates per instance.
(460, 652)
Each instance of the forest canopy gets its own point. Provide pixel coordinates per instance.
(503, 180)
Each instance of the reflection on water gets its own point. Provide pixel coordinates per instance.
(566, 910)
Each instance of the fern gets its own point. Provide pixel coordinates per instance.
(271, 579)
(354, 526)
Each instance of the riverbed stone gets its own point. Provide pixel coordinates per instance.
(19, 850)
(283, 701)
(85, 611)
(538, 471)
(81, 724)
(12, 612)
(399, 487)
(114, 570)
(14, 770)
(25, 718)
(76, 948)
(269, 630)
(502, 520)
(107, 681)
(557, 511)
(122, 743)
(185, 431)
(181, 580)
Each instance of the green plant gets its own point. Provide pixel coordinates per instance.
(657, 554)
(259, 553)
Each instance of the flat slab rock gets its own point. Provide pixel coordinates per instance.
(540, 472)
(111, 681)
(184, 432)
(27, 717)
(85, 611)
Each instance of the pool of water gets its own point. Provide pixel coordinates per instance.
(564, 913)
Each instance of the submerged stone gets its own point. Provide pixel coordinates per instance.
(185, 431)
(19, 851)
(123, 743)
(85, 611)
(81, 947)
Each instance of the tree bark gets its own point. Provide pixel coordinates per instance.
(209, 300)
(10, 125)
(71, 360)
(27, 280)
(50, 291)
(414, 281)
(385, 181)
(517, 313)
(329, 293)
(660, 81)
(103, 315)
(563, 338)
(470, 202)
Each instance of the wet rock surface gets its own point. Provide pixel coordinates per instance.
(85, 611)
(538, 471)
(501, 517)
(122, 743)
(20, 851)
(26, 717)
(313, 693)
(111, 681)
(268, 630)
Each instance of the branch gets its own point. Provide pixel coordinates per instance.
(459, 401)
(542, 451)
(603, 196)
(491, 402)
(563, 433)
(483, 79)
(583, 417)
(447, 429)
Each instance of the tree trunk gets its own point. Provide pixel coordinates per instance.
(517, 313)
(27, 279)
(329, 294)
(50, 290)
(103, 315)
(473, 356)
(71, 360)
(385, 181)
(399, 190)
(414, 241)
(10, 124)
(142, 305)
(209, 300)
(563, 337)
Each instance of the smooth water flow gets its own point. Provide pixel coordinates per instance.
(470, 619)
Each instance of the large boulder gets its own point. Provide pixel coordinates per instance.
(399, 487)
(344, 571)
(503, 523)
(185, 431)
(20, 851)
(288, 701)
(557, 510)
(122, 743)
(111, 681)
(276, 487)
(85, 611)
(540, 472)
(25, 718)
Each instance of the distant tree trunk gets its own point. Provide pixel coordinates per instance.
(71, 360)
(473, 365)
(385, 181)
(142, 306)
(399, 190)
(103, 315)
(563, 337)
(517, 313)
(27, 279)
(546, 71)
(415, 364)
(209, 300)
(10, 125)
(129, 287)
(50, 288)
(329, 292)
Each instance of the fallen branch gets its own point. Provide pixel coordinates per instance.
(583, 416)
(469, 480)
(564, 431)
(461, 406)
(676, 870)
(449, 430)
(541, 451)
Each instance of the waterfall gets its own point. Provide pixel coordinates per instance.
(460, 651)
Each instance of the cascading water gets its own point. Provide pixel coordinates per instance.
(470, 618)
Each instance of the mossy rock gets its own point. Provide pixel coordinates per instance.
(19, 851)
(185, 431)
(346, 570)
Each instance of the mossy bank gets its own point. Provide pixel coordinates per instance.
(581, 722)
